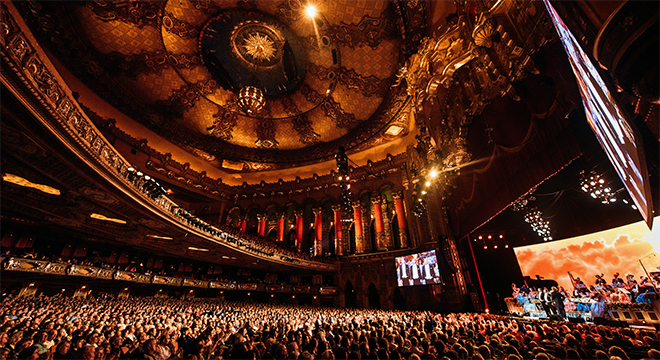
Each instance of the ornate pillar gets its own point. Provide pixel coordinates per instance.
(299, 229)
(280, 226)
(318, 231)
(401, 219)
(387, 225)
(359, 237)
(339, 240)
(244, 224)
(261, 229)
(378, 224)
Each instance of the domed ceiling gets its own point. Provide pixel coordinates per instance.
(177, 67)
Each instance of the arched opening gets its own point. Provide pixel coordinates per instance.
(309, 245)
(272, 235)
(395, 232)
(374, 297)
(399, 300)
(351, 239)
(290, 239)
(332, 242)
(372, 232)
(350, 299)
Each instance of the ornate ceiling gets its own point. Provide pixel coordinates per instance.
(176, 67)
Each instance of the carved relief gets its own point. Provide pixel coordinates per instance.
(370, 31)
(368, 86)
(139, 13)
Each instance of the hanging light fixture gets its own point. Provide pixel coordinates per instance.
(541, 226)
(251, 100)
(594, 185)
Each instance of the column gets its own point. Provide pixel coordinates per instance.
(378, 224)
(401, 219)
(244, 224)
(318, 230)
(280, 226)
(299, 228)
(339, 240)
(261, 227)
(359, 237)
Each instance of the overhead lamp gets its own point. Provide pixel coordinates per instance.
(251, 100)
(311, 11)
(26, 183)
(105, 218)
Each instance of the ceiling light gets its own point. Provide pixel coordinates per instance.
(105, 218)
(394, 130)
(159, 237)
(251, 100)
(196, 249)
(26, 183)
(311, 11)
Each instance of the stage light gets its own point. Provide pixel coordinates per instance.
(490, 236)
(501, 236)
(506, 246)
(433, 174)
(428, 183)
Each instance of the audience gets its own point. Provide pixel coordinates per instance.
(106, 327)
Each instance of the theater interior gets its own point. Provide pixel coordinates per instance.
(271, 152)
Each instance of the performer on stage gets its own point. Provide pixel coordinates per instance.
(558, 299)
(544, 298)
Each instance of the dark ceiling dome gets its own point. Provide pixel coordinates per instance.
(248, 48)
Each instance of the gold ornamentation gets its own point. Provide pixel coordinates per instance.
(260, 47)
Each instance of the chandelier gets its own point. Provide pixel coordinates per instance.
(541, 226)
(594, 185)
(251, 100)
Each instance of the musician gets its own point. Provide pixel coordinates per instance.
(558, 299)
(600, 280)
(617, 281)
(544, 298)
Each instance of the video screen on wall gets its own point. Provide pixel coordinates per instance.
(624, 250)
(418, 269)
(607, 120)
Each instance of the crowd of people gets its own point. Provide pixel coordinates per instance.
(106, 327)
(592, 298)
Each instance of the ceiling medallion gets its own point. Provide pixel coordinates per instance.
(260, 47)
(257, 43)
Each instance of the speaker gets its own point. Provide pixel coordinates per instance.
(576, 320)
(334, 57)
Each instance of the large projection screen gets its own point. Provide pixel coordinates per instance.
(417, 269)
(614, 132)
(624, 250)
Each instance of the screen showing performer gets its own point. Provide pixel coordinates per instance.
(418, 269)
(626, 250)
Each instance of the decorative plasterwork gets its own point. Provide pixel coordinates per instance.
(368, 86)
(92, 71)
(370, 31)
(29, 65)
(139, 13)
